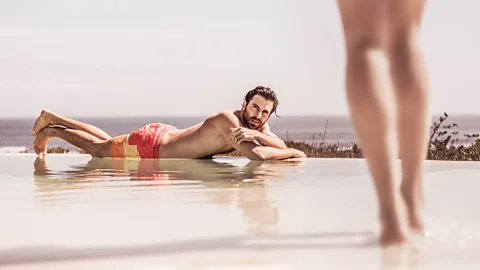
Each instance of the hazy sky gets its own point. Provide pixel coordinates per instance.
(191, 57)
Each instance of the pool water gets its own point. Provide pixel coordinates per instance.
(227, 213)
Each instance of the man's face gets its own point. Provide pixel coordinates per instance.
(256, 113)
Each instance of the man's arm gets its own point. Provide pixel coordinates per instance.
(272, 153)
(268, 138)
(264, 136)
(226, 122)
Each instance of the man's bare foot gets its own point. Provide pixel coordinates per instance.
(414, 201)
(43, 121)
(41, 140)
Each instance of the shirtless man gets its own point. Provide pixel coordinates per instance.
(388, 95)
(221, 133)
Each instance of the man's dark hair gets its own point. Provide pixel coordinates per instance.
(266, 93)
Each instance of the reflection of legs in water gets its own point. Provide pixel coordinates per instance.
(375, 35)
(254, 202)
(91, 144)
(402, 257)
(48, 118)
(40, 167)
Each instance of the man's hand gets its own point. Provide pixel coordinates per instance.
(299, 154)
(241, 134)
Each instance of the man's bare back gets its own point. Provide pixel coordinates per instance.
(245, 130)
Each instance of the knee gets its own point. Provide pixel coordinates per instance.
(363, 51)
(403, 46)
(101, 149)
(363, 44)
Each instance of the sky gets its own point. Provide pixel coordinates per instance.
(194, 58)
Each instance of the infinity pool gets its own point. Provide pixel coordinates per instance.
(72, 211)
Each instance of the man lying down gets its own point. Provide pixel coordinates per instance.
(245, 130)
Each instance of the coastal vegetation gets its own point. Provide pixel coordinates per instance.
(444, 145)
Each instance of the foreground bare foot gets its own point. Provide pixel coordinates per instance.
(414, 201)
(41, 140)
(393, 235)
(43, 121)
(394, 231)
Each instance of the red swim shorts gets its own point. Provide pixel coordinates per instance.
(142, 143)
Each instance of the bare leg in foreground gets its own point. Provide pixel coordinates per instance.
(373, 38)
(47, 118)
(372, 109)
(409, 75)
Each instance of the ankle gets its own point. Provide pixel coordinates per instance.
(391, 214)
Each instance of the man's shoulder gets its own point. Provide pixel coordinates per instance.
(224, 120)
(225, 115)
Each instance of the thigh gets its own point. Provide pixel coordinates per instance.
(363, 21)
(405, 13)
(405, 17)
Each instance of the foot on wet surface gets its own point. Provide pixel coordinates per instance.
(41, 140)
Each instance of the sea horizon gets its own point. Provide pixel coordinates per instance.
(331, 129)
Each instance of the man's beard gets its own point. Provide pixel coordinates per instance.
(247, 119)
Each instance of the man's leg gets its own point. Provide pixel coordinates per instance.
(48, 118)
(372, 107)
(409, 74)
(91, 144)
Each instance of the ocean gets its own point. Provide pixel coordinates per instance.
(15, 134)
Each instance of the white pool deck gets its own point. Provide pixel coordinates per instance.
(69, 213)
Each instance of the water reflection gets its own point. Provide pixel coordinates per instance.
(223, 170)
(222, 181)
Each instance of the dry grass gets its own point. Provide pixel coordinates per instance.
(443, 145)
